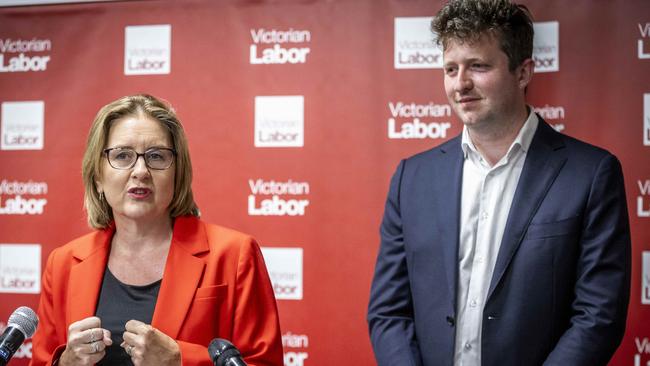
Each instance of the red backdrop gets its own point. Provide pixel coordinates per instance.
(309, 171)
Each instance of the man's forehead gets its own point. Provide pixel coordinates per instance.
(480, 47)
(471, 41)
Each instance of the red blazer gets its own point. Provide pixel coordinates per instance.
(215, 284)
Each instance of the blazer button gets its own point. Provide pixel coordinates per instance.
(450, 321)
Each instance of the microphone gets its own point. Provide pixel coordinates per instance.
(224, 353)
(22, 324)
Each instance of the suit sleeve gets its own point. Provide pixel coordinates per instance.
(602, 288)
(47, 346)
(390, 311)
(194, 354)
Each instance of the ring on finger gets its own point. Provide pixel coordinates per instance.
(93, 337)
(129, 349)
(95, 347)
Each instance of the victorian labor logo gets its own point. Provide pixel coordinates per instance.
(22, 125)
(273, 46)
(645, 280)
(23, 55)
(279, 121)
(285, 269)
(277, 198)
(546, 46)
(20, 268)
(646, 119)
(147, 49)
(415, 45)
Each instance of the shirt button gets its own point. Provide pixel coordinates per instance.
(479, 259)
(472, 303)
(484, 215)
(450, 321)
(468, 346)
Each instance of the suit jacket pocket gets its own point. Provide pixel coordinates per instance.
(563, 227)
(207, 311)
(210, 292)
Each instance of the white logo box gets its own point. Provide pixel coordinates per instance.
(415, 44)
(20, 268)
(147, 49)
(645, 279)
(546, 46)
(646, 119)
(279, 121)
(22, 125)
(285, 269)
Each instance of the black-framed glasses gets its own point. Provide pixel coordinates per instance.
(158, 158)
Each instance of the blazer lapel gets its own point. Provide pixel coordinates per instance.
(448, 191)
(540, 170)
(182, 275)
(86, 277)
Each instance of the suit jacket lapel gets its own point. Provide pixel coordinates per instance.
(182, 275)
(86, 277)
(448, 192)
(540, 170)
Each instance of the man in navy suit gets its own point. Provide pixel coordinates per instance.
(509, 244)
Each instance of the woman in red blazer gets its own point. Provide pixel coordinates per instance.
(153, 284)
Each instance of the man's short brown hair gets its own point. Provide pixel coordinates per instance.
(468, 20)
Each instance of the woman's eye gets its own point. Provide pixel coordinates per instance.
(122, 156)
(155, 156)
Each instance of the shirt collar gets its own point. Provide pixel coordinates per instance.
(523, 139)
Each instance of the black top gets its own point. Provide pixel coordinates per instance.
(119, 303)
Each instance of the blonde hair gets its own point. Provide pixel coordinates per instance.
(99, 213)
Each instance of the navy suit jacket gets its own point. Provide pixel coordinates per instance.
(561, 282)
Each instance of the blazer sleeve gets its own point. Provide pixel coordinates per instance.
(390, 310)
(47, 346)
(602, 288)
(256, 330)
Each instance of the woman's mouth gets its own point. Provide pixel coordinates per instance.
(139, 192)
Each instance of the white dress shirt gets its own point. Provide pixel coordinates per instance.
(487, 194)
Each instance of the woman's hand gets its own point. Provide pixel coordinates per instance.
(148, 346)
(86, 343)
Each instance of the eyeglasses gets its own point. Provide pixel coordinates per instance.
(158, 158)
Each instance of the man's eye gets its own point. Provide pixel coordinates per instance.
(450, 70)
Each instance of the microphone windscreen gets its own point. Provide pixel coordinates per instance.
(25, 319)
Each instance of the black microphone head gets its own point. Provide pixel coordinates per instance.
(25, 320)
(218, 346)
(219, 349)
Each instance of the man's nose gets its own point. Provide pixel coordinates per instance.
(463, 81)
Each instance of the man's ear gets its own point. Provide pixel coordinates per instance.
(525, 72)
